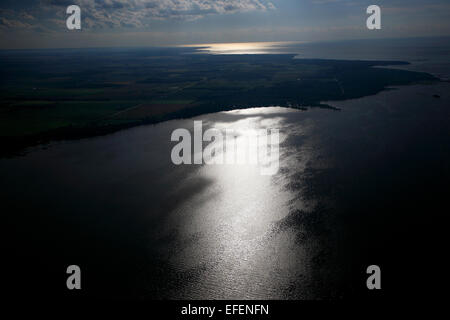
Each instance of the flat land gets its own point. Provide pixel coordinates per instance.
(62, 94)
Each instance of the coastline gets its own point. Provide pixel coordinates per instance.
(17, 145)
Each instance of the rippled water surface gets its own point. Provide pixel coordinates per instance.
(358, 186)
(118, 206)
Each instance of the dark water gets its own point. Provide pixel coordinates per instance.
(364, 185)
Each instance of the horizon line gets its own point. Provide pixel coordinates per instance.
(204, 45)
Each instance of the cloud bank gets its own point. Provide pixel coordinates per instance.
(101, 14)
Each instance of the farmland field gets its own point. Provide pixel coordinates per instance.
(61, 94)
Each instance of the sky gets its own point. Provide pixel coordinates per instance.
(120, 23)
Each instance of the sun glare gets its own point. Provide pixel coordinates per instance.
(241, 47)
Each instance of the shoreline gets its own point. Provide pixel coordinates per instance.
(14, 146)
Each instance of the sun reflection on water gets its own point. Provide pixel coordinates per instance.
(243, 47)
(232, 222)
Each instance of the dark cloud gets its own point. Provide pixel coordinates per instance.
(134, 13)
